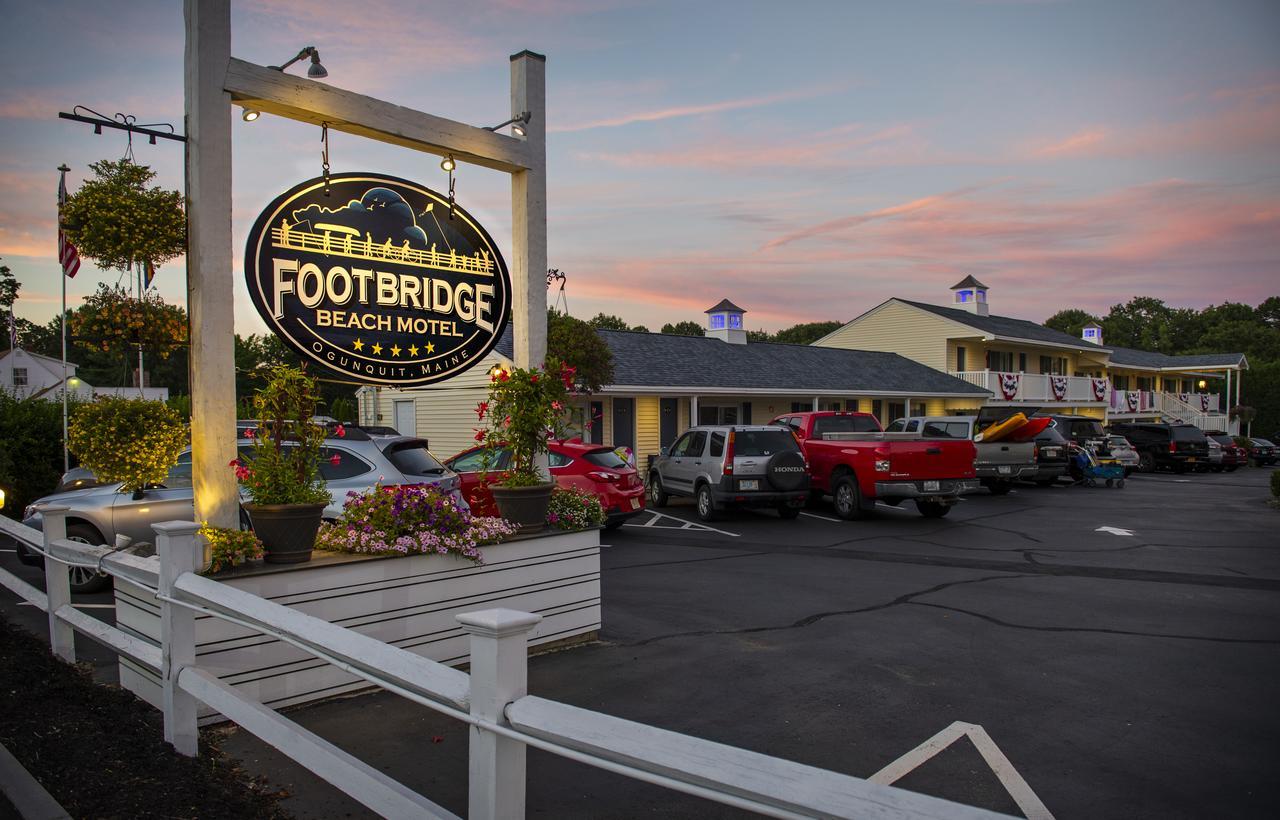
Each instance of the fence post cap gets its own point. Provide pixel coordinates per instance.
(498, 623)
(176, 528)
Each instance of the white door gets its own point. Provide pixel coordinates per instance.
(406, 421)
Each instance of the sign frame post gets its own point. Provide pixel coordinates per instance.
(214, 82)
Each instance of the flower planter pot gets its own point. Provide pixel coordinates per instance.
(524, 506)
(287, 531)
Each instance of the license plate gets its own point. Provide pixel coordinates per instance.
(1004, 469)
(635, 503)
(931, 486)
(750, 484)
(1193, 458)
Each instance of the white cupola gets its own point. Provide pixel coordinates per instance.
(1092, 332)
(724, 322)
(971, 295)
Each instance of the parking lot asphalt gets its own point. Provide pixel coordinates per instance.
(1119, 646)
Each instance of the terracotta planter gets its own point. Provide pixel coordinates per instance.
(287, 531)
(524, 506)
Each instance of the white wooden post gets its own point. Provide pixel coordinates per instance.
(529, 213)
(209, 279)
(693, 411)
(499, 675)
(179, 553)
(57, 583)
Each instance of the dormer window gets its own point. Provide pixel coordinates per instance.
(964, 295)
(735, 321)
(717, 321)
(1090, 333)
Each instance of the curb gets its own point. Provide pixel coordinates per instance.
(28, 796)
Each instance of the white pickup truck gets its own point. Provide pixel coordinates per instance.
(998, 463)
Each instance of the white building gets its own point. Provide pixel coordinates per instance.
(27, 375)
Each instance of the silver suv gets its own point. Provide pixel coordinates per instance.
(354, 462)
(738, 466)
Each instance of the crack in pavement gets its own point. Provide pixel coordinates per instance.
(1098, 630)
(809, 620)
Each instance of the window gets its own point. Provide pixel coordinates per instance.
(844, 424)
(763, 443)
(717, 321)
(735, 321)
(180, 473)
(473, 462)
(19, 377)
(961, 364)
(714, 414)
(607, 458)
(412, 458)
(349, 464)
(877, 409)
(964, 296)
(913, 425)
(681, 445)
(555, 460)
(917, 409)
(799, 407)
(717, 444)
(898, 426)
(697, 444)
(1055, 365)
(1022, 362)
(1000, 360)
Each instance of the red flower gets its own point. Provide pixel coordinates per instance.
(235, 462)
(504, 376)
(340, 432)
(335, 459)
(248, 433)
(481, 409)
(479, 435)
(533, 378)
(555, 405)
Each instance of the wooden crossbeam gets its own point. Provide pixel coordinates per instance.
(298, 98)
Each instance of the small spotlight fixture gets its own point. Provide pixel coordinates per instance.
(447, 164)
(517, 123)
(315, 71)
(250, 115)
(1203, 384)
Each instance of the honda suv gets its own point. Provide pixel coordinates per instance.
(738, 466)
(1180, 447)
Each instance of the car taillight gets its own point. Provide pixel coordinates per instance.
(1035, 452)
(1173, 446)
(728, 455)
(600, 476)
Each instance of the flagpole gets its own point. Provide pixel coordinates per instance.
(141, 293)
(62, 186)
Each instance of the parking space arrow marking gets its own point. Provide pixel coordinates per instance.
(1114, 530)
(679, 524)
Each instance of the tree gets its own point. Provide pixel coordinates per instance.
(639, 329)
(9, 287)
(759, 336)
(577, 344)
(685, 328)
(605, 321)
(805, 333)
(1072, 321)
(117, 221)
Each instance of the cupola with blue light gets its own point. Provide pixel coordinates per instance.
(724, 322)
(1092, 332)
(970, 295)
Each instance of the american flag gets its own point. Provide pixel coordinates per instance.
(67, 253)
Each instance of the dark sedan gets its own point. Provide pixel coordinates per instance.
(1263, 452)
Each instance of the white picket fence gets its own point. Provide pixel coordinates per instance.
(492, 699)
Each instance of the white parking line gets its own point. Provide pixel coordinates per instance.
(820, 517)
(1017, 787)
(683, 525)
(4, 550)
(77, 606)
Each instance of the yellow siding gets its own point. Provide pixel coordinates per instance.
(445, 414)
(935, 407)
(901, 329)
(647, 428)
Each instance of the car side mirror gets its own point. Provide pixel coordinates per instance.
(139, 494)
(665, 451)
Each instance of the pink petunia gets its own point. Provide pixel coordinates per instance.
(340, 432)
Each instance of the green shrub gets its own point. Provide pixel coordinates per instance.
(229, 548)
(133, 441)
(31, 452)
(574, 509)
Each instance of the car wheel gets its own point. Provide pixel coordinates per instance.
(847, 496)
(787, 512)
(1147, 463)
(657, 496)
(933, 509)
(1000, 487)
(83, 579)
(705, 503)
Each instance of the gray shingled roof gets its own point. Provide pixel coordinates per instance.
(725, 304)
(661, 360)
(1005, 326)
(1145, 358)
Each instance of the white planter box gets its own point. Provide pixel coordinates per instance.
(408, 602)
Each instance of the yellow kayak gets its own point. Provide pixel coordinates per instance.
(1001, 429)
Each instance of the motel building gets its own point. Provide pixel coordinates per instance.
(1022, 363)
(664, 384)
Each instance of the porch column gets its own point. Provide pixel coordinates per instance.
(815, 404)
(693, 411)
(1226, 398)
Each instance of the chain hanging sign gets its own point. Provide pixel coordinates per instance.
(373, 281)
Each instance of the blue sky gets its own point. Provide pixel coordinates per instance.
(806, 160)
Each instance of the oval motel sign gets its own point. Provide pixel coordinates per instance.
(376, 282)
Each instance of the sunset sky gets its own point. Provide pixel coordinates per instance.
(805, 160)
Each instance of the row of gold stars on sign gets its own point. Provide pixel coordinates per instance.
(376, 349)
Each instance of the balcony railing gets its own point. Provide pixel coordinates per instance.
(1037, 387)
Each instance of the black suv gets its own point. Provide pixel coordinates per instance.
(1051, 456)
(1079, 430)
(1176, 446)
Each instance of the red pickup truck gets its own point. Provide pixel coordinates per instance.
(855, 462)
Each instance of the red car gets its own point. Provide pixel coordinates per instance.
(591, 467)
